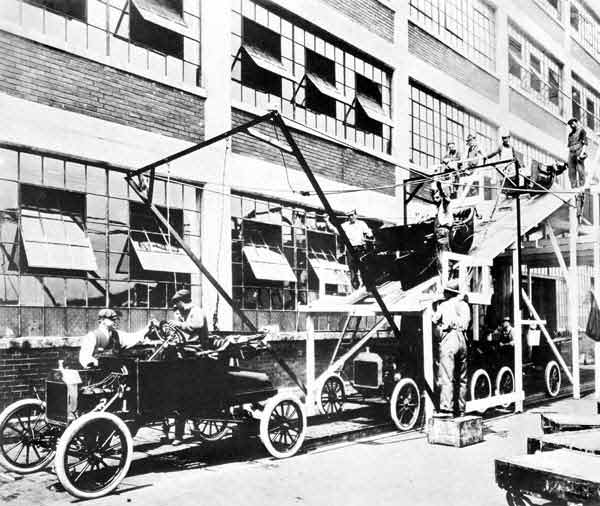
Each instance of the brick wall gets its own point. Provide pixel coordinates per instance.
(433, 51)
(536, 115)
(48, 76)
(326, 158)
(372, 14)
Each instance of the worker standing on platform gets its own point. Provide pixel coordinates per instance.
(452, 317)
(358, 233)
(444, 219)
(474, 153)
(577, 145)
(450, 161)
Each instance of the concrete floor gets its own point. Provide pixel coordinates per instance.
(389, 468)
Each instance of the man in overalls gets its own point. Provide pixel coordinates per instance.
(507, 152)
(452, 318)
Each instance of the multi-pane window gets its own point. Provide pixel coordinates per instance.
(533, 71)
(282, 256)
(585, 28)
(585, 104)
(466, 25)
(435, 121)
(285, 64)
(554, 7)
(531, 155)
(73, 239)
(156, 37)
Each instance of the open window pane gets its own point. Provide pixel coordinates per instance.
(165, 13)
(267, 264)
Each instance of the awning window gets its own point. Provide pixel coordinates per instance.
(163, 13)
(266, 61)
(330, 272)
(54, 240)
(372, 109)
(155, 253)
(327, 89)
(267, 264)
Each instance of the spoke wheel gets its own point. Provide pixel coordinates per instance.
(27, 441)
(331, 397)
(94, 455)
(481, 385)
(283, 426)
(405, 404)
(210, 430)
(553, 378)
(505, 383)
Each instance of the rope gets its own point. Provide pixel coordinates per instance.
(225, 158)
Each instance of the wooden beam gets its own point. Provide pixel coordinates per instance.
(428, 369)
(561, 261)
(553, 347)
(310, 365)
(573, 291)
(518, 347)
(596, 221)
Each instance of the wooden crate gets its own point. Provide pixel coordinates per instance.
(459, 432)
(563, 475)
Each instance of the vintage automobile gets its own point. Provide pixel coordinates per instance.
(89, 417)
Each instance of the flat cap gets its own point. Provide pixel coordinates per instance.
(107, 313)
(181, 295)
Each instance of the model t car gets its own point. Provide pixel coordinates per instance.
(89, 417)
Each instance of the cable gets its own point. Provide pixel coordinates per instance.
(287, 175)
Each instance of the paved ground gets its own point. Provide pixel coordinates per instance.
(389, 468)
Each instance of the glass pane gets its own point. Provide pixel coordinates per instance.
(31, 290)
(118, 212)
(96, 292)
(158, 295)
(189, 197)
(138, 295)
(118, 294)
(8, 195)
(175, 195)
(8, 163)
(96, 180)
(9, 289)
(75, 176)
(30, 168)
(76, 292)
(54, 292)
(54, 231)
(117, 187)
(54, 172)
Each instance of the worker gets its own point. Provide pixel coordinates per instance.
(474, 153)
(507, 152)
(505, 335)
(358, 233)
(452, 318)
(190, 319)
(577, 144)
(450, 162)
(444, 219)
(105, 337)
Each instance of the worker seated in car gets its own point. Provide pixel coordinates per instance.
(190, 319)
(106, 337)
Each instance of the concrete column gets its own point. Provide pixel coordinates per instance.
(215, 205)
(400, 99)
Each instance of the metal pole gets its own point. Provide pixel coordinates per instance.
(518, 315)
(574, 299)
(596, 221)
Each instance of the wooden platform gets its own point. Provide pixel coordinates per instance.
(587, 441)
(561, 422)
(459, 432)
(561, 474)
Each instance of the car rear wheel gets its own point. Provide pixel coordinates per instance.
(405, 404)
(283, 426)
(505, 383)
(331, 396)
(553, 378)
(94, 455)
(27, 441)
(481, 385)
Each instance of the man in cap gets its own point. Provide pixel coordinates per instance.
(190, 319)
(358, 233)
(506, 152)
(106, 337)
(474, 153)
(577, 144)
(452, 318)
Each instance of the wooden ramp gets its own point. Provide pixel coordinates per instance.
(587, 441)
(556, 475)
(561, 422)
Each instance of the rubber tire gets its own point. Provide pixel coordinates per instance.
(271, 404)
(404, 382)
(338, 380)
(6, 413)
(549, 366)
(214, 437)
(474, 378)
(64, 441)
(498, 381)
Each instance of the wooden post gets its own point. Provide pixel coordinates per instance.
(475, 320)
(517, 329)
(428, 370)
(596, 222)
(310, 365)
(573, 291)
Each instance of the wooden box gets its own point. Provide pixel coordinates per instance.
(459, 432)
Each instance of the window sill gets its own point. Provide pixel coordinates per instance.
(590, 54)
(527, 95)
(235, 104)
(40, 38)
